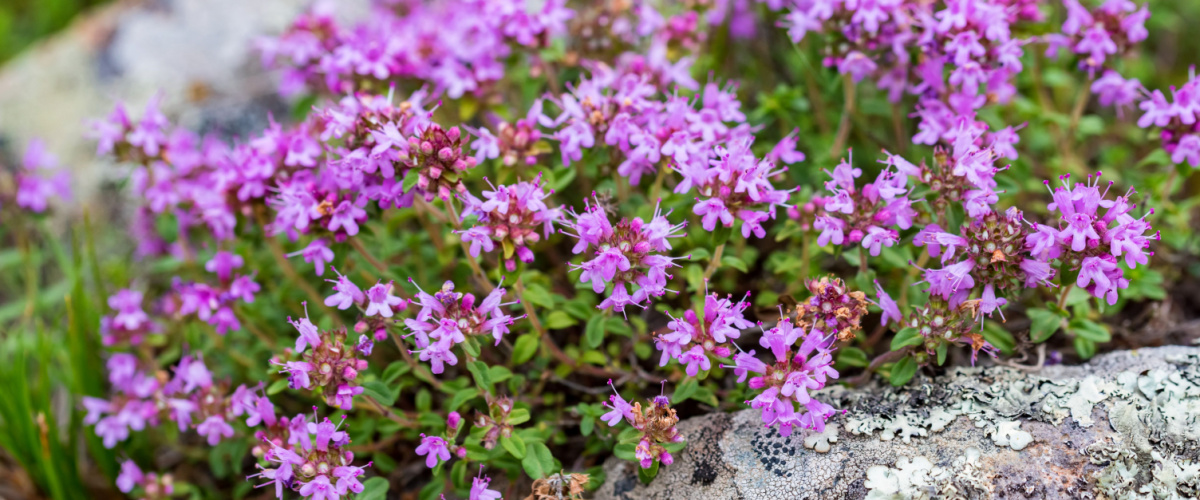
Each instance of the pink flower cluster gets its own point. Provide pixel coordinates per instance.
(1093, 243)
(630, 116)
(515, 215)
(130, 323)
(692, 341)
(331, 367)
(1109, 30)
(735, 185)
(201, 182)
(627, 254)
(214, 304)
(968, 54)
(152, 485)
(311, 458)
(1176, 119)
(655, 426)
(362, 147)
(460, 46)
(40, 179)
(446, 319)
(851, 215)
(787, 384)
(190, 399)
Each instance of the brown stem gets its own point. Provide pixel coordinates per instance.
(886, 357)
(1081, 101)
(1062, 299)
(851, 105)
(715, 262)
(387, 412)
(362, 250)
(862, 260)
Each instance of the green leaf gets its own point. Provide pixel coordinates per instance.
(518, 416)
(471, 347)
(1090, 330)
(525, 347)
(277, 386)
(497, 374)
(375, 488)
(380, 392)
(852, 356)
(734, 262)
(1085, 348)
(514, 444)
(999, 337)
(461, 397)
(647, 475)
(410, 180)
(626, 451)
(685, 391)
(695, 277)
(558, 320)
(941, 353)
(1044, 324)
(594, 332)
(903, 371)
(907, 337)
(538, 461)
(579, 309)
(424, 401)
(586, 425)
(675, 447)
(629, 435)
(721, 234)
(394, 371)
(479, 371)
(538, 295)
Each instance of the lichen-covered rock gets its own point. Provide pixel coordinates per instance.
(1125, 425)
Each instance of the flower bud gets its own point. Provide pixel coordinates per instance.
(453, 421)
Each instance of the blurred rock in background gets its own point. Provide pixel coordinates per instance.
(197, 53)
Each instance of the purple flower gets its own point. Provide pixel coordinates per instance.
(619, 408)
(479, 488)
(891, 311)
(877, 237)
(319, 488)
(309, 335)
(380, 301)
(434, 449)
(346, 293)
(223, 264)
(214, 428)
(130, 476)
(317, 253)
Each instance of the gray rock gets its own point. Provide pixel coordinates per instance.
(1124, 425)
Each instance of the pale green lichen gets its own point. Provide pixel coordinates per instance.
(1010, 434)
(820, 441)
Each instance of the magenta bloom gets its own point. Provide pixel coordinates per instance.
(381, 301)
(317, 253)
(346, 293)
(624, 254)
(434, 449)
